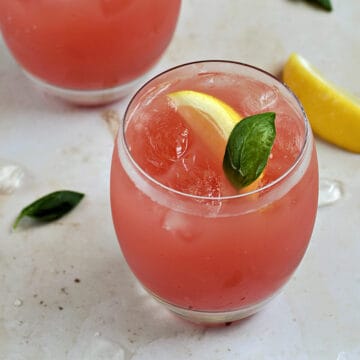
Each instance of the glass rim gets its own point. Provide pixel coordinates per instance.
(215, 198)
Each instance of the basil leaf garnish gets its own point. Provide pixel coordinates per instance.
(50, 207)
(248, 148)
(326, 4)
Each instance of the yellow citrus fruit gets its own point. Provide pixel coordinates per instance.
(211, 119)
(333, 114)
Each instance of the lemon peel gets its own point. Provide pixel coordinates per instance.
(334, 115)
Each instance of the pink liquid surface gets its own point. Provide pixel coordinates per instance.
(88, 44)
(227, 254)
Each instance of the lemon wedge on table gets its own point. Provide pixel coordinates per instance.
(211, 119)
(334, 115)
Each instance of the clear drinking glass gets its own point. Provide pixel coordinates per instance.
(208, 256)
(87, 51)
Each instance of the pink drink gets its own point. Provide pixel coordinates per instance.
(87, 44)
(207, 252)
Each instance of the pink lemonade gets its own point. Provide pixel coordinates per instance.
(206, 251)
(87, 44)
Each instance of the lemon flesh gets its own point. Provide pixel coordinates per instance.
(334, 115)
(209, 117)
(223, 116)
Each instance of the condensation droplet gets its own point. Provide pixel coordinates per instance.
(330, 191)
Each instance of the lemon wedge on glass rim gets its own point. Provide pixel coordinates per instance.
(334, 115)
(211, 119)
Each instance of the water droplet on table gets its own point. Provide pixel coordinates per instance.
(330, 191)
(18, 302)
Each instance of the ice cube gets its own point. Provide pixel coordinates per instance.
(330, 191)
(259, 98)
(103, 349)
(177, 223)
(268, 98)
(165, 143)
(11, 177)
(195, 176)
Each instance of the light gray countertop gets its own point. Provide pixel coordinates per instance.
(65, 290)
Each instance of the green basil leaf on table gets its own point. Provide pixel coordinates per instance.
(50, 207)
(326, 4)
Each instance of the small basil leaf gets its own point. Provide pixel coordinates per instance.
(248, 149)
(326, 4)
(50, 207)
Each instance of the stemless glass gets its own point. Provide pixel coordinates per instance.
(213, 258)
(87, 51)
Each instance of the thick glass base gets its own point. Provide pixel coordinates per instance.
(85, 97)
(213, 317)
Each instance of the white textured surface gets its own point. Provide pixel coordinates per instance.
(106, 315)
